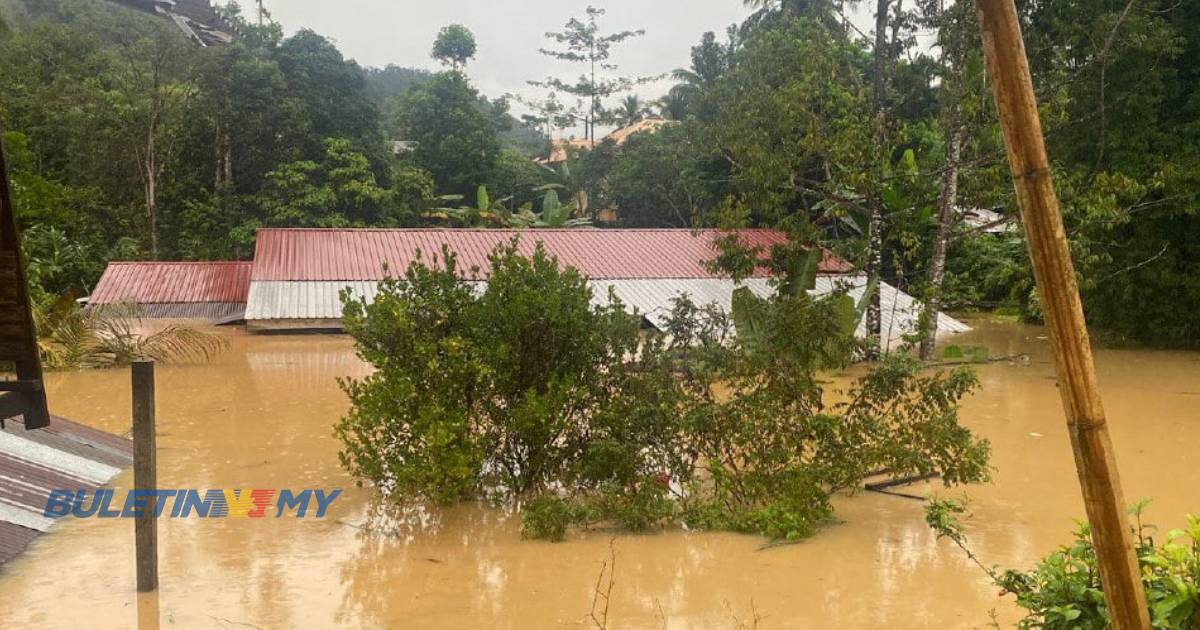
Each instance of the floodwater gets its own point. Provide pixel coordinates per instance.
(261, 416)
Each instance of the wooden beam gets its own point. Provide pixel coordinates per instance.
(1012, 86)
(18, 340)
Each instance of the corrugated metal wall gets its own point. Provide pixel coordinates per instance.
(653, 298)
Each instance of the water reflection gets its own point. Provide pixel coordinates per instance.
(147, 611)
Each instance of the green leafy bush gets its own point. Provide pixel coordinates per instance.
(1063, 590)
(525, 390)
(990, 271)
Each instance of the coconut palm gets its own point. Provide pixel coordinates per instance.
(674, 104)
(632, 110)
(710, 59)
(826, 12)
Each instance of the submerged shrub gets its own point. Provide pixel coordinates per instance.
(547, 518)
(527, 390)
(1063, 590)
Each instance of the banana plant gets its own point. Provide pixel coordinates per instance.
(485, 210)
(554, 214)
(801, 272)
(752, 315)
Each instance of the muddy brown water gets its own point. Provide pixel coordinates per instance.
(261, 416)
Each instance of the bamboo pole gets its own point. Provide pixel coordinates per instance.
(1008, 72)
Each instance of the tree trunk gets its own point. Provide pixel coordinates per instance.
(875, 227)
(228, 159)
(216, 160)
(224, 156)
(219, 170)
(947, 201)
(152, 172)
(955, 58)
(881, 42)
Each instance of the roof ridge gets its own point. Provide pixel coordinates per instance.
(521, 229)
(181, 262)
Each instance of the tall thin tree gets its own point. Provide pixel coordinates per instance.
(957, 34)
(582, 42)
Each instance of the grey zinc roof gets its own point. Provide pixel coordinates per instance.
(653, 298)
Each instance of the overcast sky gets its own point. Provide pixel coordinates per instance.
(508, 32)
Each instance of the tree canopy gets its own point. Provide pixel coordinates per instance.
(454, 46)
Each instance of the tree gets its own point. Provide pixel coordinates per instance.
(792, 128)
(108, 335)
(392, 81)
(154, 88)
(771, 12)
(582, 42)
(454, 46)
(518, 178)
(244, 120)
(333, 95)
(674, 104)
(956, 35)
(657, 180)
(456, 142)
(541, 396)
(1120, 81)
(630, 111)
(710, 60)
(338, 191)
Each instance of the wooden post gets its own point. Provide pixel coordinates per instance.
(18, 339)
(145, 526)
(1008, 73)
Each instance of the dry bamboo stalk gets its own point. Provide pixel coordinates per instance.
(1008, 72)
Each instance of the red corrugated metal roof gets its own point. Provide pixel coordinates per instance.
(173, 282)
(14, 539)
(331, 254)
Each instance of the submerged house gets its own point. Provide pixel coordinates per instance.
(296, 277)
(298, 273)
(215, 291)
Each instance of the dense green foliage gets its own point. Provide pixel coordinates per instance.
(1063, 591)
(456, 141)
(525, 390)
(126, 141)
(778, 122)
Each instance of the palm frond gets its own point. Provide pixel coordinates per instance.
(108, 335)
(180, 344)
